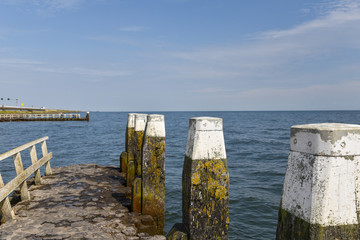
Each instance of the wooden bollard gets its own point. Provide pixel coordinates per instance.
(321, 195)
(205, 184)
(153, 171)
(140, 124)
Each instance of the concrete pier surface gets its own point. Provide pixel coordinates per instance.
(79, 202)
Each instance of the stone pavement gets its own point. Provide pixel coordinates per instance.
(79, 202)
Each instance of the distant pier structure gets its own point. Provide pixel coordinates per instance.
(43, 117)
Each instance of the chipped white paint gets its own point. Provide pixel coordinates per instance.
(155, 126)
(205, 139)
(331, 139)
(140, 122)
(131, 120)
(321, 184)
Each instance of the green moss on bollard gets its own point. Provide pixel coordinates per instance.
(178, 232)
(139, 137)
(206, 198)
(130, 140)
(292, 227)
(130, 174)
(136, 195)
(123, 162)
(153, 175)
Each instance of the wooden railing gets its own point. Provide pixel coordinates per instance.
(22, 175)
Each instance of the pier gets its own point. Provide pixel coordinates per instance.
(43, 117)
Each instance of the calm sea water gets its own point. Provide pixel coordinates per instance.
(257, 145)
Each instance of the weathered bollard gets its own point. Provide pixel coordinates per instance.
(129, 142)
(140, 124)
(153, 171)
(130, 134)
(321, 195)
(205, 184)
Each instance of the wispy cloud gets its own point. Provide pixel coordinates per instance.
(211, 90)
(41, 67)
(43, 7)
(279, 55)
(113, 40)
(132, 29)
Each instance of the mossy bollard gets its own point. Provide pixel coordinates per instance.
(140, 124)
(130, 134)
(129, 142)
(130, 170)
(205, 183)
(153, 171)
(321, 196)
(136, 195)
(123, 162)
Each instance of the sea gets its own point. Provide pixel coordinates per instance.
(257, 148)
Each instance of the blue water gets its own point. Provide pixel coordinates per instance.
(257, 145)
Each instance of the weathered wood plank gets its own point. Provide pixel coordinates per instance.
(24, 191)
(44, 150)
(5, 206)
(34, 159)
(21, 178)
(21, 148)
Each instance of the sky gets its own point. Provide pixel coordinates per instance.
(181, 55)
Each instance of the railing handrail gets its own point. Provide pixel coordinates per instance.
(16, 182)
(22, 175)
(22, 148)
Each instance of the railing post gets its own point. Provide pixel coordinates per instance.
(205, 183)
(34, 159)
(153, 171)
(321, 195)
(44, 150)
(24, 192)
(5, 206)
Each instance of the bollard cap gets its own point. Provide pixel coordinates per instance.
(155, 118)
(155, 126)
(206, 123)
(131, 120)
(205, 139)
(329, 139)
(140, 122)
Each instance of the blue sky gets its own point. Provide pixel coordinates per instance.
(133, 55)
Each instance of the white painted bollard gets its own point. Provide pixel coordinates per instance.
(321, 197)
(205, 183)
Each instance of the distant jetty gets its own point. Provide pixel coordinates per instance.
(17, 114)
